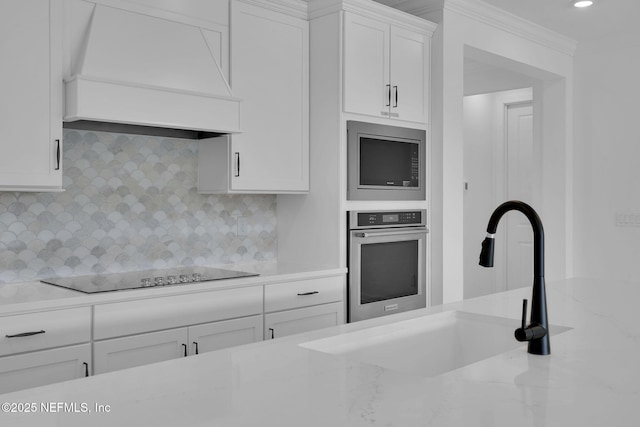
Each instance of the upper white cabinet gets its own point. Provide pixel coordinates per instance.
(31, 101)
(270, 73)
(386, 69)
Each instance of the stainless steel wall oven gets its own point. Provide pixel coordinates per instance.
(387, 262)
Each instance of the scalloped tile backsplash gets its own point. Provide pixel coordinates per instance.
(130, 204)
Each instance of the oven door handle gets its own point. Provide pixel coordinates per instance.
(366, 234)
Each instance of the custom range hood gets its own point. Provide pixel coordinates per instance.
(151, 74)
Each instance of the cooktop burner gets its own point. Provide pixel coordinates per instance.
(144, 279)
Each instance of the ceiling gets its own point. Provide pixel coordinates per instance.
(605, 19)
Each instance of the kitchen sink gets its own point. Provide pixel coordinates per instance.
(428, 345)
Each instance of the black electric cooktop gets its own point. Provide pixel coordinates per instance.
(178, 276)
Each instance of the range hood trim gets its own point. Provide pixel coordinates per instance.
(121, 99)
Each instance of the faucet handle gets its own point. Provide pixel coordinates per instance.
(531, 332)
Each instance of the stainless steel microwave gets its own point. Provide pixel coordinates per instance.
(385, 162)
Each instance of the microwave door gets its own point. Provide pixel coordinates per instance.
(385, 163)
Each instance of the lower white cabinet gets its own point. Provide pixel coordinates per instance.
(137, 350)
(303, 305)
(229, 333)
(44, 367)
(143, 349)
(46, 347)
(300, 320)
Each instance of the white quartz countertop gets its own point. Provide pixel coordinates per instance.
(16, 298)
(592, 378)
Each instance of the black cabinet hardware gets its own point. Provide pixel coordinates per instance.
(86, 369)
(308, 293)
(196, 344)
(185, 349)
(237, 155)
(26, 334)
(58, 155)
(272, 333)
(396, 90)
(388, 96)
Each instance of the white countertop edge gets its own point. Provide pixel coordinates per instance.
(49, 297)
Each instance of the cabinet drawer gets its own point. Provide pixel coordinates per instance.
(154, 314)
(303, 293)
(36, 331)
(44, 367)
(290, 322)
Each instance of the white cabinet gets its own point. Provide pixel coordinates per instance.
(134, 333)
(155, 314)
(31, 101)
(270, 73)
(229, 333)
(44, 367)
(44, 348)
(304, 305)
(121, 353)
(143, 349)
(301, 320)
(386, 69)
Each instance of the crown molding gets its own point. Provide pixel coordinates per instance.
(318, 8)
(295, 8)
(506, 21)
(483, 12)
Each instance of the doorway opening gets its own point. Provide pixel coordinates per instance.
(501, 162)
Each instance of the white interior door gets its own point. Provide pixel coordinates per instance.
(498, 166)
(520, 163)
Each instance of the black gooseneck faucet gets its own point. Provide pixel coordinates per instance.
(537, 332)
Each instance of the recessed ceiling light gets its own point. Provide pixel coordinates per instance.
(583, 3)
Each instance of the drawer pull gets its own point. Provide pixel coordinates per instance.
(58, 155)
(196, 344)
(185, 349)
(308, 293)
(86, 369)
(25, 334)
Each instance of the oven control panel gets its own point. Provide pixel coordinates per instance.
(388, 218)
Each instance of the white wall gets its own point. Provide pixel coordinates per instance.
(552, 66)
(479, 197)
(607, 158)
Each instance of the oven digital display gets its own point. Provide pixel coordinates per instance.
(390, 218)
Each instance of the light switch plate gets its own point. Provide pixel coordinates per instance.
(627, 219)
(243, 226)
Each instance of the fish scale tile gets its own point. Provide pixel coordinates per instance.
(130, 203)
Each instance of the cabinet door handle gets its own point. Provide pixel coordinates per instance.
(388, 96)
(237, 162)
(57, 154)
(273, 335)
(86, 369)
(395, 88)
(25, 334)
(308, 293)
(185, 349)
(196, 344)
